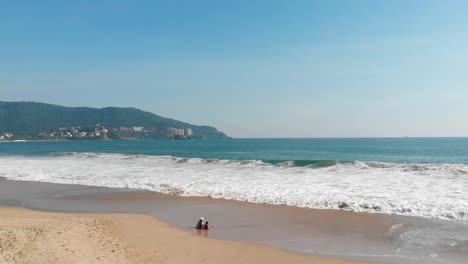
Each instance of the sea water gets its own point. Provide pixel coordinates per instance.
(425, 177)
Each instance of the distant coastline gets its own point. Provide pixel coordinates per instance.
(99, 132)
(39, 121)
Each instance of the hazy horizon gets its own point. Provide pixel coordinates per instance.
(252, 69)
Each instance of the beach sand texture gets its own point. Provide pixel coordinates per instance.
(28, 236)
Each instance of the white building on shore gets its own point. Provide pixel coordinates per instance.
(176, 131)
(6, 136)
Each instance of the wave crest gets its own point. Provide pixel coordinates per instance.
(418, 189)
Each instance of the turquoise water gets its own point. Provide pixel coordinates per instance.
(425, 177)
(302, 151)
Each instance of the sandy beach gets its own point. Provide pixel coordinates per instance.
(63, 223)
(28, 236)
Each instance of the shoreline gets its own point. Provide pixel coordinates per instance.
(110, 139)
(312, 232)
(360, 186)
(46, 237)
(118, 193)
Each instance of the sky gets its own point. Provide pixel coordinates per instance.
(251, 68)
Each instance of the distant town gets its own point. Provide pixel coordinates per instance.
(99, 132)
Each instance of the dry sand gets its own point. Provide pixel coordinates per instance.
(28, 236)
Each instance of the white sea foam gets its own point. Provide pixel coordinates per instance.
(428, 190)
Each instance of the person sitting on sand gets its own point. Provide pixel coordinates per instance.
(200, 223)
(207, 227)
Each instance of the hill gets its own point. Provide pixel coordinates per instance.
(30, 120)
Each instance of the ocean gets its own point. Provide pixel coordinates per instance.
(426, 177)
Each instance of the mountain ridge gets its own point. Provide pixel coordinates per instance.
(29, 119)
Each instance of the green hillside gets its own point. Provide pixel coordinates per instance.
(28, 119)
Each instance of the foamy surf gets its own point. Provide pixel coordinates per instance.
(413, 189)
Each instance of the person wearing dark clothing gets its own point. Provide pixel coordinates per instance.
(199, 224)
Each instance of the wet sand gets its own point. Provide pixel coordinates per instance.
(346, 235)
(39, 237)
(307, 231)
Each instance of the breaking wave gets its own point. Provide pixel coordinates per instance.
(417, 189)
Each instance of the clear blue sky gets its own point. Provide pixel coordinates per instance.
(250, 68)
